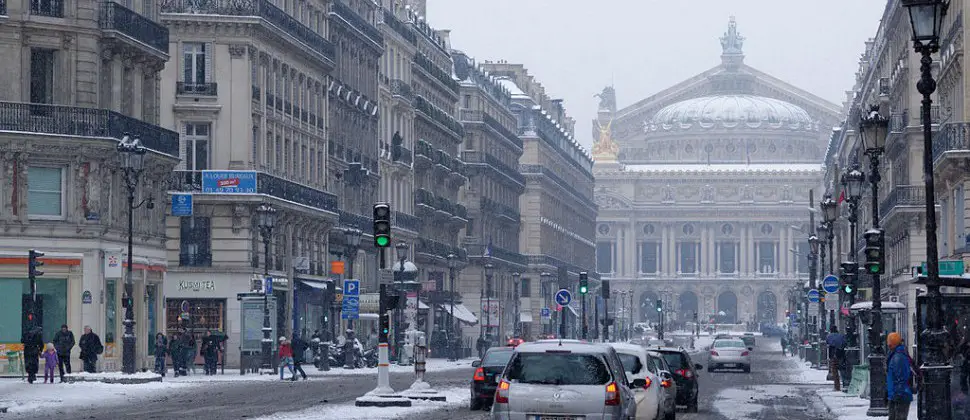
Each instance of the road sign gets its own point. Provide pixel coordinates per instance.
(350, 307)
(830, 284)
(813, 308)
(181, 205)
(813, 296)
(545, 313)
(563, 297)
(832, 302)
(948, 268)
(352, 287)
(268, 284)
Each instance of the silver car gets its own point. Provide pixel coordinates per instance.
(732, 353)
(564, 381)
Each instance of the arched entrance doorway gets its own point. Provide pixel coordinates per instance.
(688, 306)
(648, 307)
(727, 308)
(767, 308)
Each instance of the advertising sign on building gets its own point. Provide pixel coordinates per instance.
(112, 265)
(251, 323)
(229, 182)
(411, 308)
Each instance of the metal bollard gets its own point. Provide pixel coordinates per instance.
(420, 356)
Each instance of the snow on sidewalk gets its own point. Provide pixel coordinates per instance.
(841, 404)
(19, 396)
(432, 366)
(456, 397)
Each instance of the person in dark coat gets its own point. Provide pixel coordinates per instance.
(63, 343)
(91, 347)
(210, 351)
(161, 347)
(299, 350)
(899, 378)
(175, 350)
(33, 346)
(188, 352)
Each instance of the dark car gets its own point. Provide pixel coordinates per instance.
(487, 373)
(685, 375)
(748, 341)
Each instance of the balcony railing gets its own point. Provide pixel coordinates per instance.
(501, 129)
(934, 115)
(397, 26)
(437, 72)
(951, 137)
(474, 156)
(202, 89)
(116, 17)
(432, 247)
(191, 181)
(438, 115)
(478, 251)
(402, 89)
(261, 8)
(84, 122)
(407, 156)
(407, 221)
(494, 207)
(364, 223)
(539, 169)
(903, 195)
(48, 8)
(3, 7)
(898, 122)
(424, 197)
(351, 17)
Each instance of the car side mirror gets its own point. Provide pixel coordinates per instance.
(750, 348)
(666, 375)
(477, 363)
(639, 383)
(698, 366)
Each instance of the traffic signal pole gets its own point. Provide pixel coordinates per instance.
(583, 289)
(383, 358)
(33, 263)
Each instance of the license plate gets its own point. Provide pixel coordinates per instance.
(730, 365)
(555, 418)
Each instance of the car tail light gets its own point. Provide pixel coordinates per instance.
(649, 382)
(502, 392)
(744, 353)
(612, 394)
(479, 375)
(665, 383)
(685, 373)
(713, 353)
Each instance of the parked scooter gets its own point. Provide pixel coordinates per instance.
(370, 357)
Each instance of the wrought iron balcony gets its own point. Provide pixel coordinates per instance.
(402, 89)
(364, 223)
(438, 249)
(476, 157)
(84, 122)
(437, 72)
(407, 156)
(202, 89)
(195, 259)
(442, 117)
(48, 8)
(913, 196)
(397, 26)
(353, 19)
(115, 17)
(478, 251)
(934, 115)
(505, 132)
(423, 197)
(286, 190)
(951, 137)
(3, 7)
(407, 221)
(898, 122)
(541, 170)
(260, 8)
(494, 207)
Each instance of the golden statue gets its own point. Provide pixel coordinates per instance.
(605, 149)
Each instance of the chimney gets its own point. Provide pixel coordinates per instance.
(445, 35)
(419, 6)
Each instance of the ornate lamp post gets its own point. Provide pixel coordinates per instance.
(874, 129)
(517, 329)
(823, 233)
(853, 180)
(266, 221)
(488, 270)
(402, 256)
(813, 243)
(132, 164)
(926, 17)
(452, 267)
(830, 213)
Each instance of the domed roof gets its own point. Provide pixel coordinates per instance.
(731, 111)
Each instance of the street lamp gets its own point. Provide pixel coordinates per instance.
(132, 164)
(486, 306)
(823, 234)
(517, 331)
(402, 256)
(266, 221)
(874, 129)
(813, 244)
(853, 180)
(547, 292)
(926, 17)
(452, 267)
(351, 246)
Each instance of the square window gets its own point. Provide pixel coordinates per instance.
(45, 192)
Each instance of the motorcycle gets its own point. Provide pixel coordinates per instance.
(370, 357)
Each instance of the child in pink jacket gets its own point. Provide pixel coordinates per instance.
(50, 362)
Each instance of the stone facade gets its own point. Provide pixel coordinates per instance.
(702, 190)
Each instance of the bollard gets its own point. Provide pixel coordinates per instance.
(420, 355)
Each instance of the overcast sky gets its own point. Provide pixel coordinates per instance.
(575, 48)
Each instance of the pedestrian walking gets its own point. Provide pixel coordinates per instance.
(836, 344)
(50, 363)
(161, 347)
(299, 355)
(964, 350)
(177, 354)
(286, 358)
(33, 346)
(188, 352)
(899, 378)
(91, 347)
(210, 352)
(63, 344)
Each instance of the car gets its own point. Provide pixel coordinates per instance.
(650, 399)
(729, 353)
(748, 341)
(685, 375)
(723, 337)
(487, 372)
(553, 380)
(514, 342)
(659, 366)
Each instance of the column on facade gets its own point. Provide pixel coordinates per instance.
(665, 250)
(782, 261)
(752, 251)
(793, 271)
(715, 266)
(631, 249)
(702, 256)
(712, 245)
(743, 250)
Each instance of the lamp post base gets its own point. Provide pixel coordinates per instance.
(878, 403)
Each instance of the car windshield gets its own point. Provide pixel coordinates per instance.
(728, 343)
(631, 363)
(676, 360)
(558, 369)
(497, 358)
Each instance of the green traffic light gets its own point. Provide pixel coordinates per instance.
(848, 289)
(874, 268)
(383, 241)
(582, 290)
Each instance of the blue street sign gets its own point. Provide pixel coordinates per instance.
(181, 205)
(229, 182)
(830, 284)
(352, 287)
(545, 313)
(563, 297)
(268, 285)
(350, 307)
(813, 296)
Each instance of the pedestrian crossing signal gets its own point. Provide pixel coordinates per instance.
(848, 289)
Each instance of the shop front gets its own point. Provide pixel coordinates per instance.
(200, 302)
(311, 302)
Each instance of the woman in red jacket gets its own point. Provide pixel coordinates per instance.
(286, 358)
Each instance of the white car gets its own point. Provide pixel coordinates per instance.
(650, 398)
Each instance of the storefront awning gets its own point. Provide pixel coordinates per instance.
(461, 312)
(525, 317)
(320, 285)
(573, 310)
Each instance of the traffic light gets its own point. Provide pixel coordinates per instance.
(660, 305)
(382, 225)
(583, 283)
(695, 316)
(386, 302)
(605, 289)
(850, 274)
(396, 144)
(33, 262)
(875, 253)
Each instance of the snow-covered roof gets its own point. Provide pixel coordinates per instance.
(512, 87)
(866, 306)
(726, 167)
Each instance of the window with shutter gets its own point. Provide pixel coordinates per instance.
(45, 192)
(196, 71)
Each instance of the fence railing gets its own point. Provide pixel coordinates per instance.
(903, 195)
(950, 137)
(119, 18)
